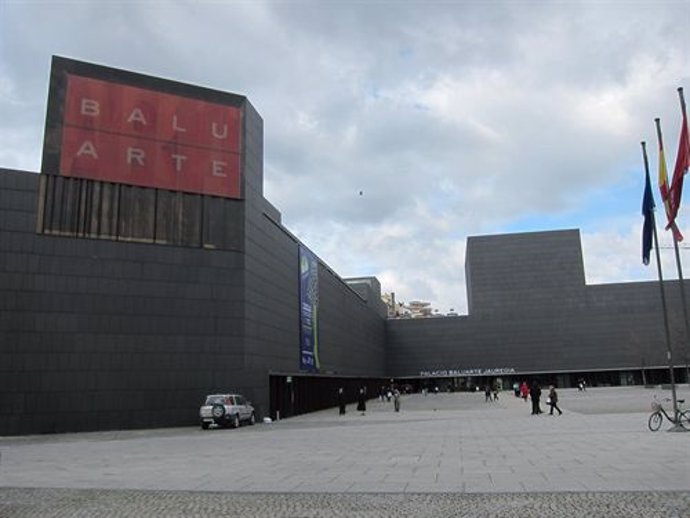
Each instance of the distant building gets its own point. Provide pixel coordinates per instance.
(420, 309)
(413, 309)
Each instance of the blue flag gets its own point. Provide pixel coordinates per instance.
(648, 213)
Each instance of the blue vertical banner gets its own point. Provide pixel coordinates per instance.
(308, 310)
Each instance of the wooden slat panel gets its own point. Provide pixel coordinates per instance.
(90, 208)
(223, 226)
(136, 214)
(165, 219)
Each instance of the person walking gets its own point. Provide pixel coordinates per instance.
(553, 400)
(341, 401)
(396, 399)
(362, 401)
(535, 394)
(524, 391)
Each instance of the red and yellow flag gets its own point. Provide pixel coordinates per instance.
(682, 164)
(664, 189)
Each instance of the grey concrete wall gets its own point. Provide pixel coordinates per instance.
(351, 333)
(512, 272)
(535, 314)
(99, 334)
(369, 290)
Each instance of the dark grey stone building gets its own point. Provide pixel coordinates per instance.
(99, 334)
(531, 313)
(121, 306)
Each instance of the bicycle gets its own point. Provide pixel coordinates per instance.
(658, 413)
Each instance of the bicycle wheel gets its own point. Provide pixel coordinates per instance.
(655, 421)
(684, 419)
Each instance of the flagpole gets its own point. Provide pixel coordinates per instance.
(684, 305)
(680, 272)
(669, 355)
(681, 281)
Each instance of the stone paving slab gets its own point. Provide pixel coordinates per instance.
(440, 451)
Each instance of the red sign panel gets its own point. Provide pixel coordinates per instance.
(119, 133)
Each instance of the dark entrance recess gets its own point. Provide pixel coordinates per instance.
(295, 394)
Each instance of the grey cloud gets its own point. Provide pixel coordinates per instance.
(453, 118)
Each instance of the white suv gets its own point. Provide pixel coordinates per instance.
(226, 410)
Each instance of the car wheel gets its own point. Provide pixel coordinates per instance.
(235, 421)
(218, 413)
(204, 425)
(252, 419)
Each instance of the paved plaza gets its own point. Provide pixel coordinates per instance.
(442, 455)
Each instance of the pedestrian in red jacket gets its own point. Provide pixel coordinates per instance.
(524, 391)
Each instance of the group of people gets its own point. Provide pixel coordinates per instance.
(391, 393)
(534, 393)
(388, 393)
(490, 392)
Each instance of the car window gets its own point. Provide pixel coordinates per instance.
(214, 400)
(240, 400)
(230, 400)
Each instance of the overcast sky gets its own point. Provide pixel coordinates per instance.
(451, 118)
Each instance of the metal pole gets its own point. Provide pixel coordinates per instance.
(669, 355)
(684, 304)
(680, 273)
(675, 234)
